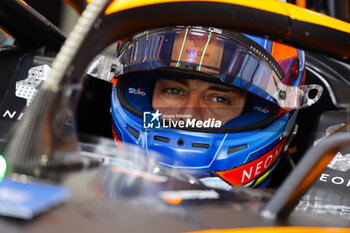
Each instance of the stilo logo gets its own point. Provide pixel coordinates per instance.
(138, 91)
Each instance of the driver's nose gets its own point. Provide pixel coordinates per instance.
(194, 107)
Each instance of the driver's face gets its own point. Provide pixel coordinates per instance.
(198, 99)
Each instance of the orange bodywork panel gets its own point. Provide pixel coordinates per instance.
(273, 6)
(280, 230)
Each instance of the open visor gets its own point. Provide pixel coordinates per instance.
(230, 57)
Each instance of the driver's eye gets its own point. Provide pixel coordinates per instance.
(173, 91)
(220, 99)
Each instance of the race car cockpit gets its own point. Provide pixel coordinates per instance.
(83, 121)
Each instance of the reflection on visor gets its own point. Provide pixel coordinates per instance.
(237, 62)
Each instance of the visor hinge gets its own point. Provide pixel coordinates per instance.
(282, 94)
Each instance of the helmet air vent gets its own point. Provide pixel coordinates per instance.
(234, 149)
(133, 131)
(201, 145)
(162, 139)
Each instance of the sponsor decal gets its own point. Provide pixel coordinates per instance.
(153, 120)
(337, 180)
(138, 91)
(12, 115)
(340, 162)
(176, 197)
(248, 172)
(261, 109)
(27, 88)
(273, 65)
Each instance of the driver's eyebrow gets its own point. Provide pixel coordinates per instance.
(211, 88)
(182, 81)
(219, 88)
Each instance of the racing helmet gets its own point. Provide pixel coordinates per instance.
(245, 149)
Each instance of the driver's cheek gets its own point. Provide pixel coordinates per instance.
(225, 113)
(193, 106)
